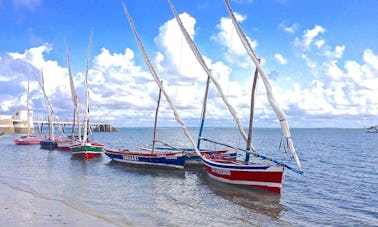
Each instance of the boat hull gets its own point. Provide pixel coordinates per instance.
(65, 145)
(159, 158)
(48, 144)
(28, 140)
(265, 176)
(88, 150)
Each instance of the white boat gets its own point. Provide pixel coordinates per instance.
(372, 129)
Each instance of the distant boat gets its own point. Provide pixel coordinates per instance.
(28, 139)
(84, 147)
(372, 129)
(241, 170)
(2, 133)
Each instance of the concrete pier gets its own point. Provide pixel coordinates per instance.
(96, 126)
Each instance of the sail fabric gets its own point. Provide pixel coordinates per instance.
(200, 59)
(158, 81)
(75, 99)
(48, 109)
(279, 113)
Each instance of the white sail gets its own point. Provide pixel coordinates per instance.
(200, 59)
(48, 109)
(158, 81)
(279, 113)
(75, 99)
(86, 111)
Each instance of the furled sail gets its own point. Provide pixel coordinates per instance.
(86, 111)
(75, 99)
(49, 109)
(158, 81)
(200, 59)
(279, 113)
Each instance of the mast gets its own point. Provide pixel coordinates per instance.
(200, 59)
(48, 108)
(203, 113)
(156, 118)
(86, 121)
(279, 113)
(28, 109)
(157, 80)
(75, 99)
(250, 127)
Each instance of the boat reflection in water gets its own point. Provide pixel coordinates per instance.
(147, 170)
(256, 199)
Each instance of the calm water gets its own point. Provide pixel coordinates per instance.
(338, 188)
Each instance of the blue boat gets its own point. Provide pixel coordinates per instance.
(172, 159)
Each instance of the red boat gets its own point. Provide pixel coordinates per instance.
(228, 170)
(87, 150)
(261, 171)
(28, 140)
(65, 145)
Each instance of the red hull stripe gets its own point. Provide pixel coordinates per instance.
(87, 155)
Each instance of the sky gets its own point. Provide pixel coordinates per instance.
(321, 58)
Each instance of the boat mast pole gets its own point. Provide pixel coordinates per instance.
(86, 123)
(203, 113)
(28, 109)
(250, 127)
(75, 99)
(277, 110)
(156, 118)
(48, 107)
(202, 62)
(157, 80)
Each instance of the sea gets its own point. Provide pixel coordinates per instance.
(339, 186)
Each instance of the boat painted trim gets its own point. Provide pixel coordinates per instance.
(162, 159)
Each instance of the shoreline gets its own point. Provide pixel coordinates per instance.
(21, 208)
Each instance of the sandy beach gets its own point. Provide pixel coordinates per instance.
(20, 208)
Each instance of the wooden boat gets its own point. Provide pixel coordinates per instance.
(27, 140)
(85, 148)
(262, 171)
(152, 157)
(48, 143)
(161, 157)
(145, 157)
(66, 144)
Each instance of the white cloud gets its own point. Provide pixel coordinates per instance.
(280, 59)
(371, 59)
(291, 29)
(122, 91)
(310, 35)
(228, 38)
(319, 43)
(337, 53)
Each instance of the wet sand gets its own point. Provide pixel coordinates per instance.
(20, 208)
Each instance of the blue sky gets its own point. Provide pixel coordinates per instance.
(321, 58)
